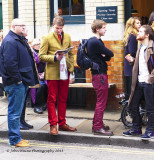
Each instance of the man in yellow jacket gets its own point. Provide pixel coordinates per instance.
(56, 64)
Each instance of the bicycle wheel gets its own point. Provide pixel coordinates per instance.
(126, 116)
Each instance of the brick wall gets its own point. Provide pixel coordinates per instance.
(115, 74)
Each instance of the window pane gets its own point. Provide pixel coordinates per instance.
(77, 7)
(63, 7)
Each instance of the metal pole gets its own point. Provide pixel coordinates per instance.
(34, 18)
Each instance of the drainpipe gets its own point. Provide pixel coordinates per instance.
(34, 18)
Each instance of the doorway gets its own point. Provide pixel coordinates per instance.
(142, 9)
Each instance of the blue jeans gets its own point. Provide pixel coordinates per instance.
(147, 91)
(16, 97)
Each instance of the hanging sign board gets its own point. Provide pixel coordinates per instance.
(107, 14)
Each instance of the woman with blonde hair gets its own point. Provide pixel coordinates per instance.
(132, 26)
(151, 20)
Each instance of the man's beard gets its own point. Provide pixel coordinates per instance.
(140, 38)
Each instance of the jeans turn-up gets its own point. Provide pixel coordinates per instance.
(16, 97)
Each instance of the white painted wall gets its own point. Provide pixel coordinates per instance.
(114, 31)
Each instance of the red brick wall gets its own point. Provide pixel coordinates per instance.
(115, 74)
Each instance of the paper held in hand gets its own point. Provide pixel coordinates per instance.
(64, 51)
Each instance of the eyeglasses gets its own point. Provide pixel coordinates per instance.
(37, 44)
(21, 25)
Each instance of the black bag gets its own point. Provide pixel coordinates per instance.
(83, 61)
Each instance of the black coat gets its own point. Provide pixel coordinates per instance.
(95, 49)
(16, 61)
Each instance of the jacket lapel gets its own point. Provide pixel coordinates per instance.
(56, 37)
(149, 51)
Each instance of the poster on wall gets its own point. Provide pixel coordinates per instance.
(107, 14)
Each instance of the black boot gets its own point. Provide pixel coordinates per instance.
(38, 110)
(44, 107)
(23, 124)
(23, 127)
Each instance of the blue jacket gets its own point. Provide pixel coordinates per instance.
(131, 49)
(16, 61)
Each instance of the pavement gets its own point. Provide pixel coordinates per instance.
(76, 117)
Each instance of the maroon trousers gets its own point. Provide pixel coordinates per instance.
(100, 84)
(57, 89)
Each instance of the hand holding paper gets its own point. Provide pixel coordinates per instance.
(59, 56)
(64, 51)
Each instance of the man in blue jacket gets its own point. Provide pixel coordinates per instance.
(18, 72)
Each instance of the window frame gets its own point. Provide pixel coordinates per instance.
(69, 19)
(1, 16)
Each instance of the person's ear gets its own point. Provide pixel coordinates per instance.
(13, 27)
(147, 35)
(97, 29)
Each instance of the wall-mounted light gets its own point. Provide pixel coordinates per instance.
(133, 11)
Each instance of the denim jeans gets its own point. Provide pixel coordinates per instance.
(16, 97)
(146, 90)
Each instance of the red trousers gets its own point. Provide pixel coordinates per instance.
(57, 89)
(100, 84)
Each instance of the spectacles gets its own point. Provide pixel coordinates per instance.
(37, 44)
(21, 25)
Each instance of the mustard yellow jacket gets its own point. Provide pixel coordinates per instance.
(49, 45)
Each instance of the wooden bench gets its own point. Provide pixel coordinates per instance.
(86, 85)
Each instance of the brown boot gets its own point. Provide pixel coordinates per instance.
(53, 130)
(102, 132)
(22, 143)
(66, 127)
(106, 127)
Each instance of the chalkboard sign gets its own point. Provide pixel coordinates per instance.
(107, 14)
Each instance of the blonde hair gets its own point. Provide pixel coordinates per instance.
(130, 29)
(97, 24)
(35, 42)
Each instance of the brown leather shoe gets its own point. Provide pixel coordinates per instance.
(53, 130)
(66, 127)
(103, 132)
(106, 127)
(22, 143)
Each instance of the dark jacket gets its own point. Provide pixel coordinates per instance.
(16, 61)
(131, 49)
(149, 52)
(95, 48)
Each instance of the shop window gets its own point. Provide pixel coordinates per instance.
(71, 7)
(71, 10)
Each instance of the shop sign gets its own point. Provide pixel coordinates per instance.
(107, 14)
